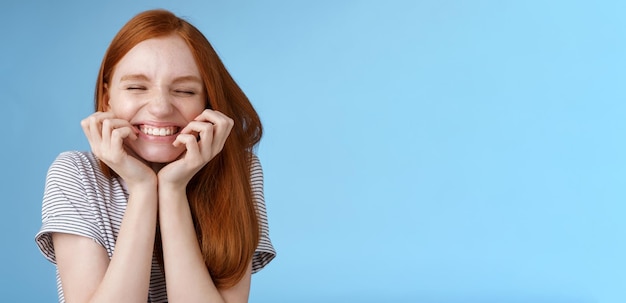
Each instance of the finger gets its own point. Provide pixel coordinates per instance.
(222, 125)
(205, 131)
(91, 128)
(95, 133)
(95, 123)
(215, 117)
(117, 138)
(197, 127)
(213, 128)
(85, 125)
(114, 131)
(190, 143)
(108, 125)
(190, 131)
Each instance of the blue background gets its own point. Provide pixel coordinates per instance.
(414, 151)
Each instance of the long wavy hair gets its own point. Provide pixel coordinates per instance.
(220, 194)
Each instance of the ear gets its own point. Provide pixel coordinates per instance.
(106, 98)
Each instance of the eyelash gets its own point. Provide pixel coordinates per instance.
(136, 88)
(184, 92)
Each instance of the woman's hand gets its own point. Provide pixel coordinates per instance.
(204, 137)
(106, 135)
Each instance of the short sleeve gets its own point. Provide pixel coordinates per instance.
(265, 252)
(66, 207)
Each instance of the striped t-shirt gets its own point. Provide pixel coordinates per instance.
(79, 199)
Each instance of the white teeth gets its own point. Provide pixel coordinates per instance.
(158, 131)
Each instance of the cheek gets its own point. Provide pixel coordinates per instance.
(120, 109)
(191, 111)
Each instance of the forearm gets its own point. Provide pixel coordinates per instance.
(127, 277)
(188, 279)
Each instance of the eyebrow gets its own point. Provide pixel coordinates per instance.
(188, 79)
(142, 77)
(134, 77)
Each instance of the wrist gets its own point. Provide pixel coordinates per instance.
(147, 184)
(172, 190)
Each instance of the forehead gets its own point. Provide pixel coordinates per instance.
(162, 57)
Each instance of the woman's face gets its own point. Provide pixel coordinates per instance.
(157, 88)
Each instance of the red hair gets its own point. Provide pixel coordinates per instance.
(220, 194)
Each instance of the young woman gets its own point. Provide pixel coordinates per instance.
(168, 205)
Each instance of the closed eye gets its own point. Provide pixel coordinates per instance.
(185, 92)
(136, 88)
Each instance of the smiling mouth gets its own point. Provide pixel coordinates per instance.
(159, 131)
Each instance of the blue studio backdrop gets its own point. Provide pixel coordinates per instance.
(414, 151)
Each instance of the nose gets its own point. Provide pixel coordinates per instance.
(160, 104)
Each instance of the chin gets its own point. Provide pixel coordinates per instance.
(160, 155)
(160, 159)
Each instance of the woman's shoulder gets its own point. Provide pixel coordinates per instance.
(255, 163)
(75, 156)
(80, 171)
(256, 171)
(75, 162)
